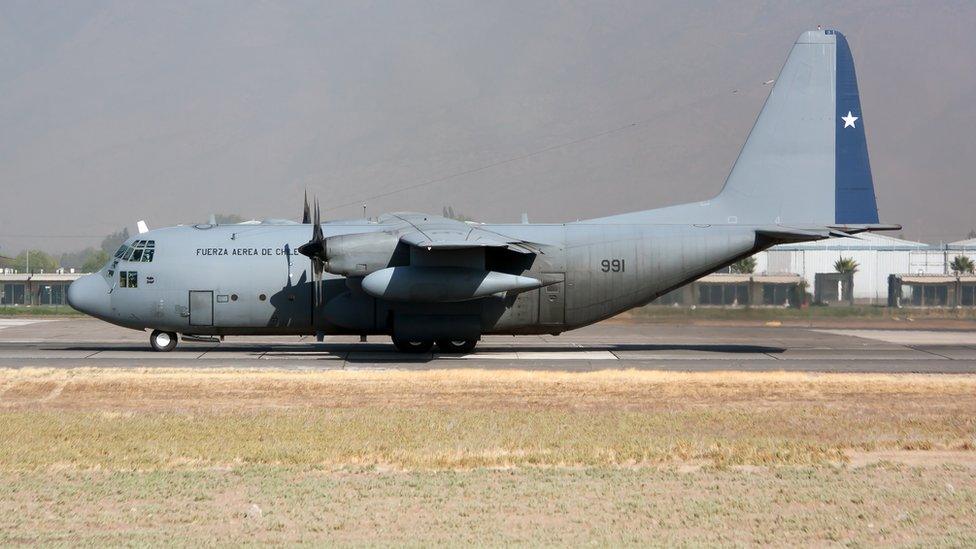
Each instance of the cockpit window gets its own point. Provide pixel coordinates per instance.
(140, 250)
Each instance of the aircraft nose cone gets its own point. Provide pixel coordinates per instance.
(89, 294)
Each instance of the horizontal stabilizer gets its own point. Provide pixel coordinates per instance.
(865, 228)
(786, 234)
(781, 234)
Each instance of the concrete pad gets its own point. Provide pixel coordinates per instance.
(951, 352)
(910, 337)
(897, 353)
(231, 355)
(689, 355)
(566, 355)
(17, 322)
(145, 355)
(59, 354)
(380, 357)
(298, 355)
(490, 355)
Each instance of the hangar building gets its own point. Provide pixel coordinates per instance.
(878, 256)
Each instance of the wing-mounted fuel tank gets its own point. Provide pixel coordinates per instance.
(442, 284)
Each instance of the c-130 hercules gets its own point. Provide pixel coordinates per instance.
(802, 175)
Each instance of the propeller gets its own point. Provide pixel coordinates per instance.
(314, 249)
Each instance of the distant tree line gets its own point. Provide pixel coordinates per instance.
(88, 260)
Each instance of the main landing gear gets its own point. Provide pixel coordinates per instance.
(454, 346)
(162, 341)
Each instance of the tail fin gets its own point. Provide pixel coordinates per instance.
(806, 159)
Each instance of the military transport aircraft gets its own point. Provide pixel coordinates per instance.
(802, 175)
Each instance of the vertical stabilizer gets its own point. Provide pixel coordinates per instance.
(806, 158)
(805, 161)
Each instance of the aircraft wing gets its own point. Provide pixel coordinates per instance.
(439, 233)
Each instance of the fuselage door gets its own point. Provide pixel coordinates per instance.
(552, 299)
(201, 308)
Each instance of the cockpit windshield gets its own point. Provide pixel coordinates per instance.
(139, 250)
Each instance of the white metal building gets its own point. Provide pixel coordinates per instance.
(877, 256)
(962, 247)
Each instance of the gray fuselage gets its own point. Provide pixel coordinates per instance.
(248, 279)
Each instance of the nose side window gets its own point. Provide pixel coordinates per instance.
(128, 279)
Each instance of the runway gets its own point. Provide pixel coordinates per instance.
(85, 342)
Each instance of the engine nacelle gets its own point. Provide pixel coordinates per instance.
(359, 254)
(442, 284)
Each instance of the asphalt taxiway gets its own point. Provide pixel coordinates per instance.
(85, 342)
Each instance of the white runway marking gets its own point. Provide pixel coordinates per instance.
(14, 322)
(910, 337)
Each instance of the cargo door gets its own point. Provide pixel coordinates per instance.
(552, 299)
(201, 308)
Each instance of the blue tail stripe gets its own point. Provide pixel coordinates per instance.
(854, 199)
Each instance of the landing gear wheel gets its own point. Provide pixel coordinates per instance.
(162, 341)
(416, 346)
(456, 345)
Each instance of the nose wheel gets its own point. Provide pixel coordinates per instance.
(162, 341)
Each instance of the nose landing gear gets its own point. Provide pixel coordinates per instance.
(162, 341)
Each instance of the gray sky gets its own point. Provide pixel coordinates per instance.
(113, 112)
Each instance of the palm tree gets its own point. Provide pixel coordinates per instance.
(745, 265)
(846, 265)
(962, 265)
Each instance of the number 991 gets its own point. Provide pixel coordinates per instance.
(613, 265)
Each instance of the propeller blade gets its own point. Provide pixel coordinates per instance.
(318, 264)
(317, 229)
(306, 216)
(314, 249)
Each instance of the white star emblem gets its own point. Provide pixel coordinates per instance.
(849, 120)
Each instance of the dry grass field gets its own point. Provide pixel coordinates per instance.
(492, 457)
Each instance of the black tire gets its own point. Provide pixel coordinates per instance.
(416, 346)
(162, 342)
(456, 345)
